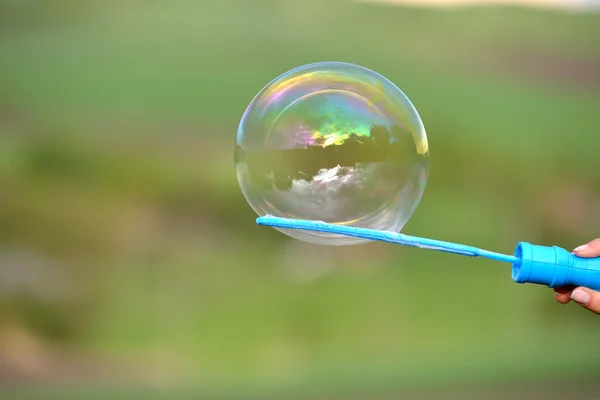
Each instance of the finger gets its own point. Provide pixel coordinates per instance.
(587, 298)
(563, 298)
(591, 249)
(563, 294)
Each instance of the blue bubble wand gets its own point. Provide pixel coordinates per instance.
(552, 266)
(542, 265)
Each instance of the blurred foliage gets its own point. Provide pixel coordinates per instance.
(126, 241)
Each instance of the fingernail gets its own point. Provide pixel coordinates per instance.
(579, 296)
(556, 298)
(581, 248)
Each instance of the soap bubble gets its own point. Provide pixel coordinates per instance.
(333, 142)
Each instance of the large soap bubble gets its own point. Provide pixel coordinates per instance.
(333, 142)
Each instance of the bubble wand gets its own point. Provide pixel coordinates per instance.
(542, 265)
(343, 131)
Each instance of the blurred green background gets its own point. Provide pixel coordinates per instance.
(130, 264)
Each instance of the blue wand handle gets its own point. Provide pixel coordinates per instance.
(550, 266)
(554, 267)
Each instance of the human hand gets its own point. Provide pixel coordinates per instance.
(585, 297)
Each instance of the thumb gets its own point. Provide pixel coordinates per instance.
(587, 298)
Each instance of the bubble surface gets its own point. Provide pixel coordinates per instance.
(333, 142)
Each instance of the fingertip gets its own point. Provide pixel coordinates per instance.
(591, 249)
(581, 296)
(562, 298)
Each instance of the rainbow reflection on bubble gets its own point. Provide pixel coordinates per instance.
(334, 142)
